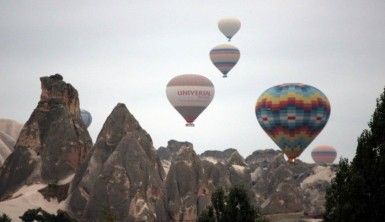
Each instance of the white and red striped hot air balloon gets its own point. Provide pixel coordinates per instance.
(225, 57)
(190, 94)
(324, 154)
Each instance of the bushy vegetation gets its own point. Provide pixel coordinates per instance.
(42, 216)
(4, 218)
(357, 193)
(233, 207)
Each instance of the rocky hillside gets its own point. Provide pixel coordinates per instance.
(9, 132)
(123, 177)
(273, 184)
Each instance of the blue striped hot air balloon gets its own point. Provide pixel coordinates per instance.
(86, 117)
(224, 57)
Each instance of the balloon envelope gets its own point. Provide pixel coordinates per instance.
(324, 154)
(86, 117)
(292, 115)
(190, 94)
(224, 57)
(229, 26)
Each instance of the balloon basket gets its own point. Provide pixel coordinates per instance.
(190, 124)
(291, 161)
(224, 76)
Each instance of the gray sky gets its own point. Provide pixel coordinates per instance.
(127, 51)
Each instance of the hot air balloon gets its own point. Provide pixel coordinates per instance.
(292, 115)
(224, 57)
(324, 154)
(229, 26)
(86, 117)
(190, 94)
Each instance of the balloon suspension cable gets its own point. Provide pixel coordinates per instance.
(190, 124)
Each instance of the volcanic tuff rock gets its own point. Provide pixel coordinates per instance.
(9, 132)
(53, 142)
(226, 168)
(188, 191)
(314, 187)
(282, 188)
(215, 156)
(262, 158)
(122, 177)
(169, 154)
(191, 178)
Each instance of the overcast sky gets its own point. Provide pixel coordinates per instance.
(127, 51)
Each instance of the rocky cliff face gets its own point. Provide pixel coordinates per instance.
(9, 132)
(188, 191)
(216, 156)
(53, 142)
(169, 154)
(122, 178)
(282, 188)
(226, 168)
(272, 183)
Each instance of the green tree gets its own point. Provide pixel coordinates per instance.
(5, 218)
(357, 191)
(238, 207)
(218, 201)
(234, 207)
(207, 215)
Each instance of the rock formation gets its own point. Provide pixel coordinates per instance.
(188, 191)
(215, 156)
(168, 154)
(226, 168)
(53, 142)
(282, 188)
(122, 177)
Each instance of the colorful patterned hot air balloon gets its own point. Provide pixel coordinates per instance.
(292, 115)
(224, 57)
(229, 26)
(86, 117)
(324, 154)
(190, 94)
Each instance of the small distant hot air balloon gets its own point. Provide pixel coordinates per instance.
(190, 94)
(292, 115)
(86, 117)
(229, 26)
(324, 154)
(224, 57)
